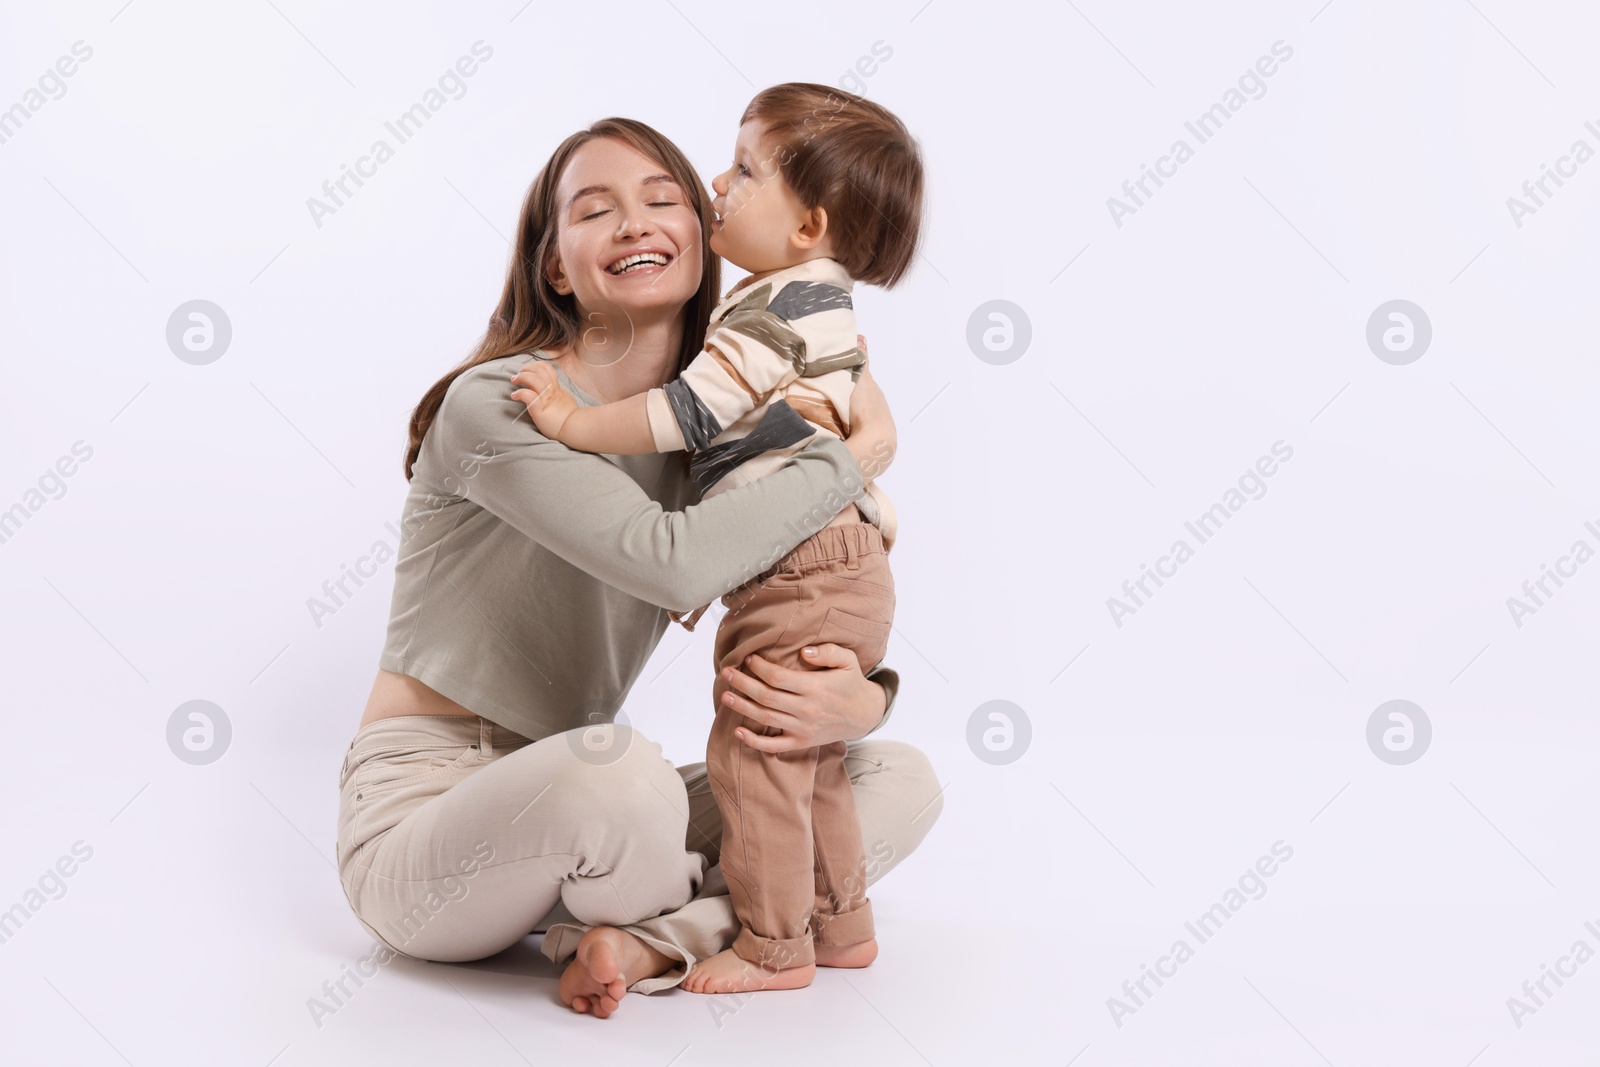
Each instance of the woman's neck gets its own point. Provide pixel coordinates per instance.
(611, 365)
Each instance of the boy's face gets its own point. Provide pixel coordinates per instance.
(758, 213)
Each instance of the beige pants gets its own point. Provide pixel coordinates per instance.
(457, 837)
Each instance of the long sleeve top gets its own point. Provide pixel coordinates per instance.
(533, 582)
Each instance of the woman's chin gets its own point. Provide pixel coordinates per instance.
(649, 302)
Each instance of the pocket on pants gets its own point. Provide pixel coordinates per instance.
(392, 768)
(867, 638)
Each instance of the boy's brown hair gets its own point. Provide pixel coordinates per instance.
(855, 160)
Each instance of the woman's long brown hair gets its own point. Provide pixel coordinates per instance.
(533, 315)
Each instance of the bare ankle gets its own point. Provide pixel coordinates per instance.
(860, 954)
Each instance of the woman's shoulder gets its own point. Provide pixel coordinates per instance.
(486, 381)
(477, 407)
(489, 374)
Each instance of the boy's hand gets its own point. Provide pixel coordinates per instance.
(547, 402)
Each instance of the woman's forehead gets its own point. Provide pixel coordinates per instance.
(605, 161)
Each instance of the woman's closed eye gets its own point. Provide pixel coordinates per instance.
(653, 203)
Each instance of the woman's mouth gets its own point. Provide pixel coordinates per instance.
(639, 261)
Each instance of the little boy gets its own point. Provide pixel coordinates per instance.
(825, 190)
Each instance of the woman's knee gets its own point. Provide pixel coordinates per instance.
(903, 776)
(906, 762)
(614, 765)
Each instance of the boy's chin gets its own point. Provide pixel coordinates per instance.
(728, 250)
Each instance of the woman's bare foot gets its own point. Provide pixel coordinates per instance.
(607, 960)
(858, 955)
(728, 972)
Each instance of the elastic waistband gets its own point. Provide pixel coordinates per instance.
(843, 542)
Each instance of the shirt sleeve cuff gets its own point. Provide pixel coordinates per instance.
(889, 678)
(664, 429)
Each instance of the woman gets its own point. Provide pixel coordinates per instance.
(487, 792)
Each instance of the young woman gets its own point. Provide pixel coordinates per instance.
(487, 793)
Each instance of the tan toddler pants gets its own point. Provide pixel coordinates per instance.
(791, 842)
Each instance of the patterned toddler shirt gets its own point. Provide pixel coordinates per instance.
(779, 364)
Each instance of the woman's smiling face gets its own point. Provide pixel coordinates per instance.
(616, 204)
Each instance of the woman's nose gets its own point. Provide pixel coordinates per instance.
(632, 224)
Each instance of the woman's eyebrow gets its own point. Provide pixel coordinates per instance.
(588, 190)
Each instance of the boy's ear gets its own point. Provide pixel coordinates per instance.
(813, 229)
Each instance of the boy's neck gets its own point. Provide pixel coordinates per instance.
(751, 279)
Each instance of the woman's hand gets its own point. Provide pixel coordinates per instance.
(811, 707)
(872, 434)
(547, 402)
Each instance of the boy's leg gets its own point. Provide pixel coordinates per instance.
(764, 798)
(859, 592)
(765, 801)
(841, 912)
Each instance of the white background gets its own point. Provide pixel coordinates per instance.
(1228, 313)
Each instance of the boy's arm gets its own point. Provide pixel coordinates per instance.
(620, 428)
(749, 354)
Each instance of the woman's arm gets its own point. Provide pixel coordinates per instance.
(592, 514)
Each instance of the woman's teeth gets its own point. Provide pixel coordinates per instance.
(644, 259)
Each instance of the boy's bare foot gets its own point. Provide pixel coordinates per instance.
(607, 960)
(728, 972)
(858, 955)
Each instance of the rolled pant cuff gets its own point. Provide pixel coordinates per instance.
(851, 928)
(771, 953)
